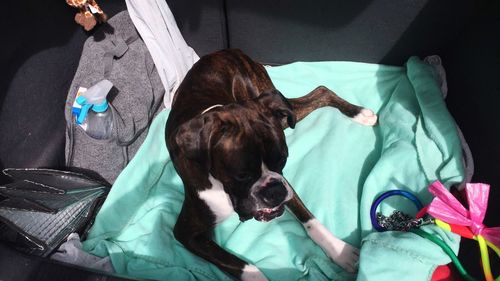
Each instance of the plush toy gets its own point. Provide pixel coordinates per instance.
(89, 13)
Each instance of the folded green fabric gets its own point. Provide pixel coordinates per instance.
(337, 166)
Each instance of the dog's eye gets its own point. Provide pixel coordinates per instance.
(244, 177)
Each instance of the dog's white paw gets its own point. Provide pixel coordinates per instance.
(347, 258)
(252, 273)
(341, 253)
(366, 117)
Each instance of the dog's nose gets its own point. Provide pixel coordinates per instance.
(273, 193)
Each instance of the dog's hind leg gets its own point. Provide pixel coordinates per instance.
(321, 97)
(343, 254)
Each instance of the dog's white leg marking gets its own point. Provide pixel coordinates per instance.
(366, 117)
(252, 273)
(343, 254)
(217, 200)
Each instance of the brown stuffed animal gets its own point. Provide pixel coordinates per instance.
(89, 13)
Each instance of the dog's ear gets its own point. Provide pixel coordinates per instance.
(193, 137)
(279, 107)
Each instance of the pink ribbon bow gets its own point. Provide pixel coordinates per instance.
(448, 209)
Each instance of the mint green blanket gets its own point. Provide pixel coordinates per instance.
(337, 166)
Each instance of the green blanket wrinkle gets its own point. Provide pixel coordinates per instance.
(337, 166)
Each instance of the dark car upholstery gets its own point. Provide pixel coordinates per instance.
(42, 44)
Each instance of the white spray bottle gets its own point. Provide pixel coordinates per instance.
(96, 117)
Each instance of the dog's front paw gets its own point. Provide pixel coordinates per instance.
(343, 254)
(366, 117)
(252, 273)
(347, 257)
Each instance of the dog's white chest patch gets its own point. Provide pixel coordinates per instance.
(217, 200)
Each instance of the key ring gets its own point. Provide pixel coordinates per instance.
(385, 195)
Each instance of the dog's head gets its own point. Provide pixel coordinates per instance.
(242, 145)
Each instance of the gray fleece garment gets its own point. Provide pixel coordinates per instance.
(117, 53)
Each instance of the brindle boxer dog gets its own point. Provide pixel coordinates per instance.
(225, 137)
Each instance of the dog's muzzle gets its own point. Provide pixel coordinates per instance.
(272, 198)
(273, 194)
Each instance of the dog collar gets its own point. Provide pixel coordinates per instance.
(210, 108)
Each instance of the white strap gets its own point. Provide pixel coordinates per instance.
(210, 108)
(172, 56)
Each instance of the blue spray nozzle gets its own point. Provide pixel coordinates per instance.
(95, 98)
(81, 100)
(100, 107)
(83, 114)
